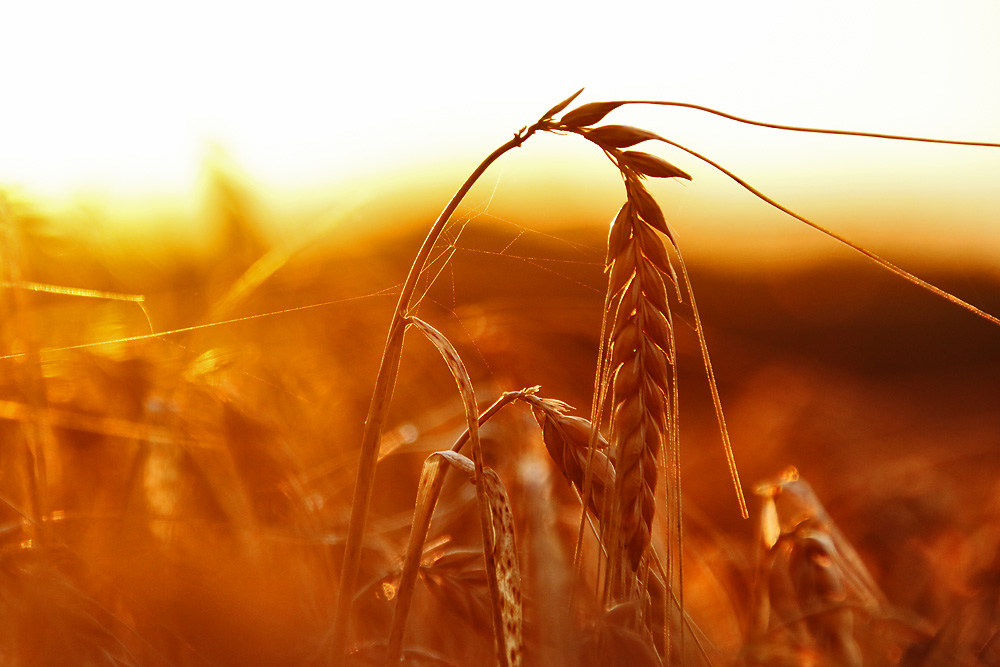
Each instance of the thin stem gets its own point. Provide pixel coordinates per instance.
(810, 130)
(596, 417)
(884, 263)
(381, 398)
(714, 389)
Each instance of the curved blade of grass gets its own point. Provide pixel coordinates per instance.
(428, 492)
(506, 624)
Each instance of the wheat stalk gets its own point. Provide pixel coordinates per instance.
(382, 394)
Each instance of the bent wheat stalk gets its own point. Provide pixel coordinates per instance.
(502, 575)
(566, 439)
(382, 394)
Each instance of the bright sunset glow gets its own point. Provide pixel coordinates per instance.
(113, 98)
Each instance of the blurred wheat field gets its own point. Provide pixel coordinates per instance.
(180, 438)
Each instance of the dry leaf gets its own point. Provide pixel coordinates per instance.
(508, 572)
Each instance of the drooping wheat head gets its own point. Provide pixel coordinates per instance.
(568, 441)
(638, 368)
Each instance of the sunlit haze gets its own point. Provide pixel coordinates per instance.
(111, 101)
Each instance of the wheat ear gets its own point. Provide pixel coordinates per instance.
(641, 357)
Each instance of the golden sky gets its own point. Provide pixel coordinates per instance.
(112, 100)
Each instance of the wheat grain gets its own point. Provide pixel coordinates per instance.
(567, 440)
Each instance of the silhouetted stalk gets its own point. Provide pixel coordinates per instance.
(382, 396)
(809, 130)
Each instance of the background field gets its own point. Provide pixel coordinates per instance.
(181, 498)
